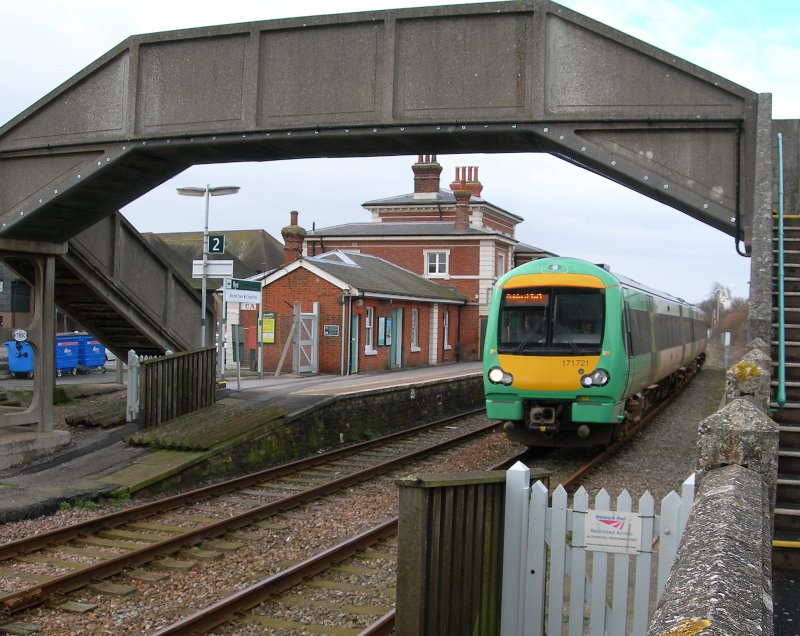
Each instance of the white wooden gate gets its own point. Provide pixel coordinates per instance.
(308, 341)
(556, 559)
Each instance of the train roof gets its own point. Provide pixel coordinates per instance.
(578, 265)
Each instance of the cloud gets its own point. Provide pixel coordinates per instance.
(566, 209)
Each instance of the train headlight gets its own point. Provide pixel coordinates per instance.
(598, 377)
(497, 376)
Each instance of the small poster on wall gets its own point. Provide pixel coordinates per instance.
(381, 331)
(330, 330)
(268, 328)
(388, 338)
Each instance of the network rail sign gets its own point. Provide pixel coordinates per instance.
(242, 291)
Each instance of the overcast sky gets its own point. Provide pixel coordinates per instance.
(566, 210)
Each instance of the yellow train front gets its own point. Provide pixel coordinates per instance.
(573, 354)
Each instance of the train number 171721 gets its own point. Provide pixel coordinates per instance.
(575, 362)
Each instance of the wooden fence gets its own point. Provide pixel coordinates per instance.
(160, 389)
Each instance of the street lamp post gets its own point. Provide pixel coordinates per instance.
(206, 192)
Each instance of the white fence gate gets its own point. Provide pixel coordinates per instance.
(547, 588)
(308, 342)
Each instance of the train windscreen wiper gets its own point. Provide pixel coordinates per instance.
(528, 336)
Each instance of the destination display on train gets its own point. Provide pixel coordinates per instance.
(526, 298)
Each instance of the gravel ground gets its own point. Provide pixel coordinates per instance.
(265, 550)
(658, 460)
(662, 455)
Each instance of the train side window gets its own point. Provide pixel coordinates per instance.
(640, 331)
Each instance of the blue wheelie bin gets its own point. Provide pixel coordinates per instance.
(91, 354)
(20, 359)
(67, 354)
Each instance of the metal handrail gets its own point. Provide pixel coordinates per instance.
(781, 319)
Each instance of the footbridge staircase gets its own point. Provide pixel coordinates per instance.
(786, 344)
(112, 283)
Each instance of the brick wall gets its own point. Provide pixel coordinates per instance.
(464, 257)
(304, 287)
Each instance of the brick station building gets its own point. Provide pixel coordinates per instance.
(367, 315)
(453, 240)
(453, 237)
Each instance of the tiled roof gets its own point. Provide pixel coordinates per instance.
(420, 228)
(373, 275)
(442, 197)
(254, 250)
(525, 248)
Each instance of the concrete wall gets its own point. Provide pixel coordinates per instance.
(328, 425)
(721, 582)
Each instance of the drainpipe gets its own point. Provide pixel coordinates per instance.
(458, 335)
(781, 320)
(345, 295)
(349, 333)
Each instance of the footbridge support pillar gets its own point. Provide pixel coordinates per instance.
(39, 333)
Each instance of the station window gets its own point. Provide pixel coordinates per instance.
(415, 329)
(436, 263)
(369, 331)
(501, 265)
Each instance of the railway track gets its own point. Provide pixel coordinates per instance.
(573, 481)
(43, 568)
(340, 581)
(335, 573)
(347, 590)
(351, 583)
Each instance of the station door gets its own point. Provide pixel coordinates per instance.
(308, 341)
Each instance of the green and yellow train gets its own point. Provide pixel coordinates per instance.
(574, 353)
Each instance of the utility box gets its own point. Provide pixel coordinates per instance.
(91, 354)
(20, 359)
(67, 354)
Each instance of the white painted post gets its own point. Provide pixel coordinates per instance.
(558, 555)
(687, 499)
(644, 560)
(668, 538)
(132, 404)
(619, 597)
(536, 562)
(597, 614)
(515, 536)
(577, 577)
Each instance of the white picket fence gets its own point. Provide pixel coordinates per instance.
(546, 586)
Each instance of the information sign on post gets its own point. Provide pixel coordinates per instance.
(214, 269)
(242, 291)
(216, 243)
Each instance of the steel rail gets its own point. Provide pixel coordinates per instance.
(385, 625)
(217, 614)
(223, 610)
(575, 477)
(39, 593)
(116, 519)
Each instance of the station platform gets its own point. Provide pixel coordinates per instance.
(99, 463)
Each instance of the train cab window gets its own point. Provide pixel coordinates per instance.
(551, 321)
